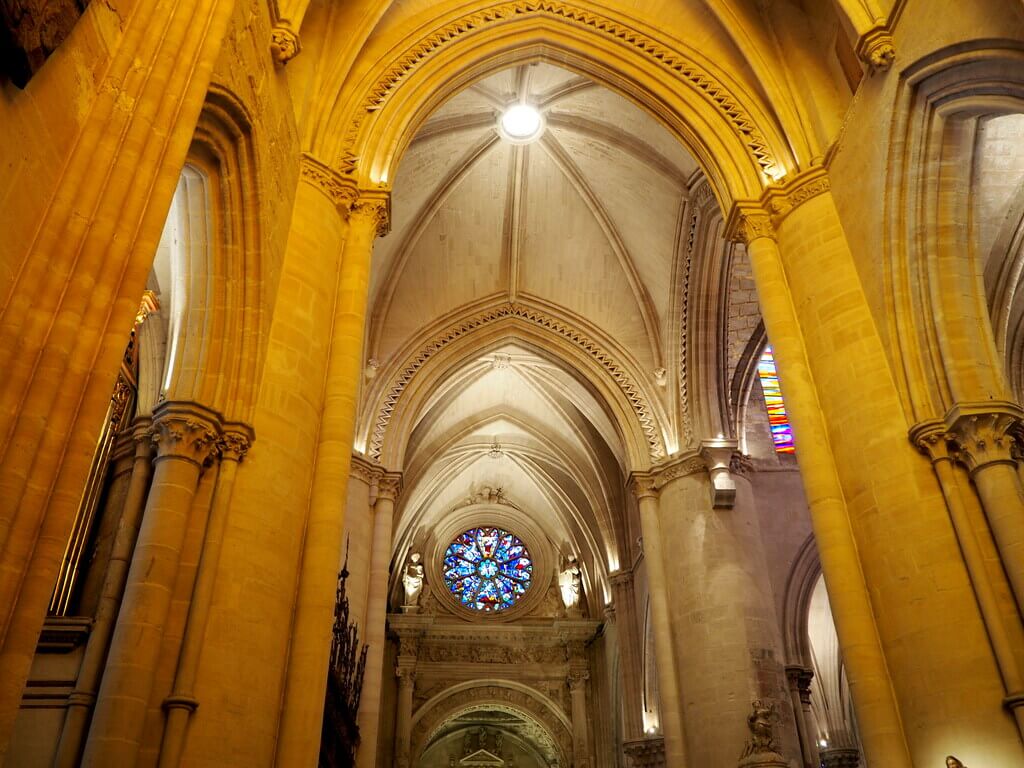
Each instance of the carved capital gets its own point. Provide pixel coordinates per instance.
(577, 679)
(876, 49)
(284, 43)
(235, 442)
(389, 486)
(185, 431)
(648, 752)
(372, 211)
(840, 757)
(621, 579)
(779, 200)
(642, 485)
(341, 191)
(747, 222)
(933, 439)
(800, 679)
(983, 432)
(406, 676)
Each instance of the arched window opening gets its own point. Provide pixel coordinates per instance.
(778, 418)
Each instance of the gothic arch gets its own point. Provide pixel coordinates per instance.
(729, 132)
(507, 694)
(393, 405)
(940, 100)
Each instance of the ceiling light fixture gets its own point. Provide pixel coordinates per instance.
(521, 124)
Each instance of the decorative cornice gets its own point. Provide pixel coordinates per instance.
(339, 189)
(402, 379)
(684, 465)
(661, 54)
(876, 49)
(284, 43)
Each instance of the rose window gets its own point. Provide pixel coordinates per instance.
(487, 569)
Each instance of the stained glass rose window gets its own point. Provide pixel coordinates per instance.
(487, 569)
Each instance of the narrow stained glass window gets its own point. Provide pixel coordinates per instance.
(778, 419)
(487, 569)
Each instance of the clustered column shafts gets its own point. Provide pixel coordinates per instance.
(873, 694)
(388, 490)
(186, 437)
(306, 682)
(233, 446)
(671, 714)
(799, 679)
(99, 231)
(83, 698)
(934, 439)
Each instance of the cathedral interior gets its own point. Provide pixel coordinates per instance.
(512, 383)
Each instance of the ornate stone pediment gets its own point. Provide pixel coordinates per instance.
(482, 758)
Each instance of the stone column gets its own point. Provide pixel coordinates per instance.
(799, 679)
(873, 695)
(234, 444)
(982, 433)
(185, 436)
(627, 623)
(671, 714)
(721, 612)
(388, 489)
(83, 697)
(306, 679)
(577, 681)
(405, 671)
(60, 347)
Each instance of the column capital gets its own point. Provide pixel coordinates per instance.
(577, 679)
(840, 757)
(642, 485)
(621, 579)
(185, 431)
(983, 432)
(406, 675)
(932, 437)
(372, 209)
(800, 678)
(389, 486)
(235, 441)
(748, 221)
(334, 185)
(648, 752)
(366, 470)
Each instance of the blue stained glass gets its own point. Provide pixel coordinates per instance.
(487, 569)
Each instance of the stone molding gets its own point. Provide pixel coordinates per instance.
(983, 432)
(663, 55)
(332, 184)
(632, 392)
(186, 431)
(648, 752)
(876, 48)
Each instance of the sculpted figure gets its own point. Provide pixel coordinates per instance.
(952, 762)
(412, 581)
(569, 584)
(760, 723)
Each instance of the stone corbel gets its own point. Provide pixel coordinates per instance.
(876, 49)
(718, 454)
(284, 43)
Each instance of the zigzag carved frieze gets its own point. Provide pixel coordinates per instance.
(664, 56)
(633, 394)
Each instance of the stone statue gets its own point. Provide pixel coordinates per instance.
(952, 762)
(412, 582)
(569, 583)
(760, 749)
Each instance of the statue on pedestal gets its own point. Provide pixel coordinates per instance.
(760, 751)
(570, 585)
(412, 583)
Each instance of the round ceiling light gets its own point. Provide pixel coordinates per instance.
(521, 124)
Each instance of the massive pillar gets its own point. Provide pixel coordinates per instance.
(389, 486)
(728, 643)
(62, 332)
(306, 678)
(877, 511)
(671, 714)
(185, 435)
